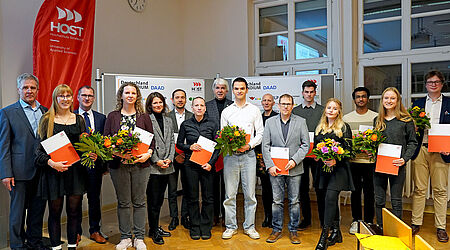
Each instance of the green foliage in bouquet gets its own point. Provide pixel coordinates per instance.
(93, 142)
(230, 139)
(123, 142)
(421, 120)
(330, 149)
(367, 142)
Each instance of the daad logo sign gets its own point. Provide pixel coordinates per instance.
(65, 28)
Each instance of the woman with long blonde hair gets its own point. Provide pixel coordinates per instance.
(330, 184)
(398, 128)
(59, 179)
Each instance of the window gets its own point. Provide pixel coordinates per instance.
(292, 34)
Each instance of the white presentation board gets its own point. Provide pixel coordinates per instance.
(165, 86)
(258, 86)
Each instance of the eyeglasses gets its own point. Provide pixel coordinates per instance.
(434, 82)
(87, 96)
(65, 97)
(285, 104)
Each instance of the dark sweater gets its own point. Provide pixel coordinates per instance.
(160, 120)
(401, 133)
(311, 115)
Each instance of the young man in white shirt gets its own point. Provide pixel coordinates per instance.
(242, 163)
(361, 167)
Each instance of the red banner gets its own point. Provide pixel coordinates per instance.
(63, 41)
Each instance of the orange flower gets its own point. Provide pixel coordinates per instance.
(340, 151)
(374, 137)
(320, 145)
(107, 143)
(422, 114)
(119, 141)
(84, 134)
(236, 133)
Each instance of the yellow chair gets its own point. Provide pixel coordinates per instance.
(421, 244)
(393, 226)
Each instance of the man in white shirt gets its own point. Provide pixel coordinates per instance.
(428, 165)
(242, 163)
(94, 121)
(361, 167)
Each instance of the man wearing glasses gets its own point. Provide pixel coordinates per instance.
(96, 122)
(431, 165)
(290, 132)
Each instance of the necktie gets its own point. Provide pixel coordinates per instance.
(87, 121)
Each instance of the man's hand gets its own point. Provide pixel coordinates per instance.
(206, 167)
(273, 171)
(290, 164)
(244, 148)
(9, 183)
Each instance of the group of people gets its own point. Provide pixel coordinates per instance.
(34, 179)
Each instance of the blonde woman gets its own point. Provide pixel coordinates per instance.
(329, 185)
(58, 179)
(398, 127)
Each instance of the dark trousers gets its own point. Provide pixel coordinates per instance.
(172, 191)
(321, 194)
(362, 175)
(267, 195)
(95, 178)
(25, 203)
(219, 194)
(380, 185)
(331, 208)
(155, 197)
(305, 202)
(201, 221)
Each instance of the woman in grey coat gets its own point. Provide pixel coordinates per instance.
(162, 164)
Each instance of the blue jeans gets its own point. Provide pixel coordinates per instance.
(240, 167)
(293, 189)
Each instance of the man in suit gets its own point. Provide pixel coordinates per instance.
(431, 165)
(178, 115)
(18, 142)
(214, 110)
(311, 111)
(96, 122)
(286, 131)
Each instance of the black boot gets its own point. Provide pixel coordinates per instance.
(323, 241)
(336, 235)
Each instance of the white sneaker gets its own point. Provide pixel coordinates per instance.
(353, 228)
(139, 244)
(227, 234)
(252, 233)
(124, 244)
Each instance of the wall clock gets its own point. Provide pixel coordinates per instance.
(138, 5)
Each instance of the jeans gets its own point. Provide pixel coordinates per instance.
(130, 183)
(293, 189)
(362, 174)
(396, 183)
(240, 167)
(201, 221)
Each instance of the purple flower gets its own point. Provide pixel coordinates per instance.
(130, 134)
(335, 149)
(324, 150)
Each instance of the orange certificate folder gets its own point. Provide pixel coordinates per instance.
(311, 145)
(280, 157)
(60, 149)
(204, 155)
(386, 154)
(439, 138)
(143, 146)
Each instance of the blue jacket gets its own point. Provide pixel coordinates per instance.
(444, 119)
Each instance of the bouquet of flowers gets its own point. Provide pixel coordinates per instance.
(368, 141)
(230, 139)
(330, 149)
(420, 118)
(124, 142)
(93, 142)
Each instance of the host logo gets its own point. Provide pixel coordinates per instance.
(64, 28)
(197, 84)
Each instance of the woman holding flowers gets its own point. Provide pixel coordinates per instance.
(59, 179)
(397, 127)
(162, 164)
(129, 174)
(332, 133)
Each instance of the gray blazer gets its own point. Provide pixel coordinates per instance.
(297, 141)
(213, 112)
(164, 145)
(187, 115)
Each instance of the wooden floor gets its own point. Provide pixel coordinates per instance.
(180, 237)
